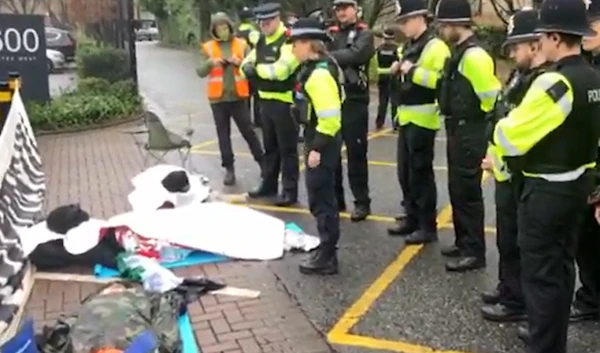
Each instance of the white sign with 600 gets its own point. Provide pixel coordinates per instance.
(14, 41)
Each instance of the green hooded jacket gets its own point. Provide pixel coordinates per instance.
(206, 65)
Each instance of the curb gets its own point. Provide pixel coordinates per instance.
(89, 128)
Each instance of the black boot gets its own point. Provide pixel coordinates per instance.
(341, 205)
(360, 213)
(402, 227)
(502, 313)
(320, 262)
(421, 237)
(579, 314)
(523, 334)
(286, 199)
(229, 178)
(262, 191)
(451, 251)
(491, 298)
(465, 264)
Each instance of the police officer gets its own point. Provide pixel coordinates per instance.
(552, 139)
(386, 55)
(506, 302)
(272, 66)
(353, 48)
(467, 93)
(319, 83)
(247, 31)
(418, 67)
(587, 298)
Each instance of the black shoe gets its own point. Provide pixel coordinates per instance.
(421, 237)
(578, 315)
(451, 251)
(502, 313)
(320, 262)
(286, 199)
(523, 334)
(360, 213)
(491, 298)
(402, 227)
(229, 178)
(262, 191)
(465, 264)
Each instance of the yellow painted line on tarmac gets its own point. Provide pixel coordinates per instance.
(340, 333)
(371, 163)
(199, 146)
(346, 215)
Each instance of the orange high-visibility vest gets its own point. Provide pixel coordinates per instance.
(215, 78)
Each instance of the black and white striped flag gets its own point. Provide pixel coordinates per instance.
(22, 190)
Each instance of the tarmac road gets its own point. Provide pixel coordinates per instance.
(388, 296)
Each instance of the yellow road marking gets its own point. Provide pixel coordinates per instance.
(346, 215)
(340, 333)
(371, 163)
(199, 146)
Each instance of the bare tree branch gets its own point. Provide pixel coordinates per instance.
(10, 5)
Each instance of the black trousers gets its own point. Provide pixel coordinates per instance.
(509, 267)
(587, 296)
(466, 145)
(355, 128)
(386, 96)
(238, 110)
(280, 138)
(415, 173)
(550, 215)
(254, 105)
(320, 185)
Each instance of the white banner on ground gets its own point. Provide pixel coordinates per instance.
(22, 189)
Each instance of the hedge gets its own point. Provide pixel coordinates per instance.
(95, 101)
(104, 62)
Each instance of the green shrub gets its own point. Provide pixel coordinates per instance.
(107, 63)
(492, 38)
(95, 101)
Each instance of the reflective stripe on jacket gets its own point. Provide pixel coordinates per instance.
(215, 78)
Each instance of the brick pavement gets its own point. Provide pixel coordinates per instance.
(94, 168)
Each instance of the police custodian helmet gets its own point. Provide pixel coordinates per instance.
(308, 28)
(454, 12)
(246, 14)
(565, 16)
(593, 9)
(409, 8)
(521, 27)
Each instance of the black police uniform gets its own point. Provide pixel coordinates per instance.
(320, 181)
(353, 48)
(387, 53)
(556, 183)
(280, 129)
(246, 16)
(465, 124)
(416, 135)
(587, 298)
(506, 303)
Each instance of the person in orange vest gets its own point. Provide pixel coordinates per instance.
(228, 91)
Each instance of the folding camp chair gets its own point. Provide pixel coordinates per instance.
(160, 142)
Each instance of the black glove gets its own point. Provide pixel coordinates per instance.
(249, 71)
